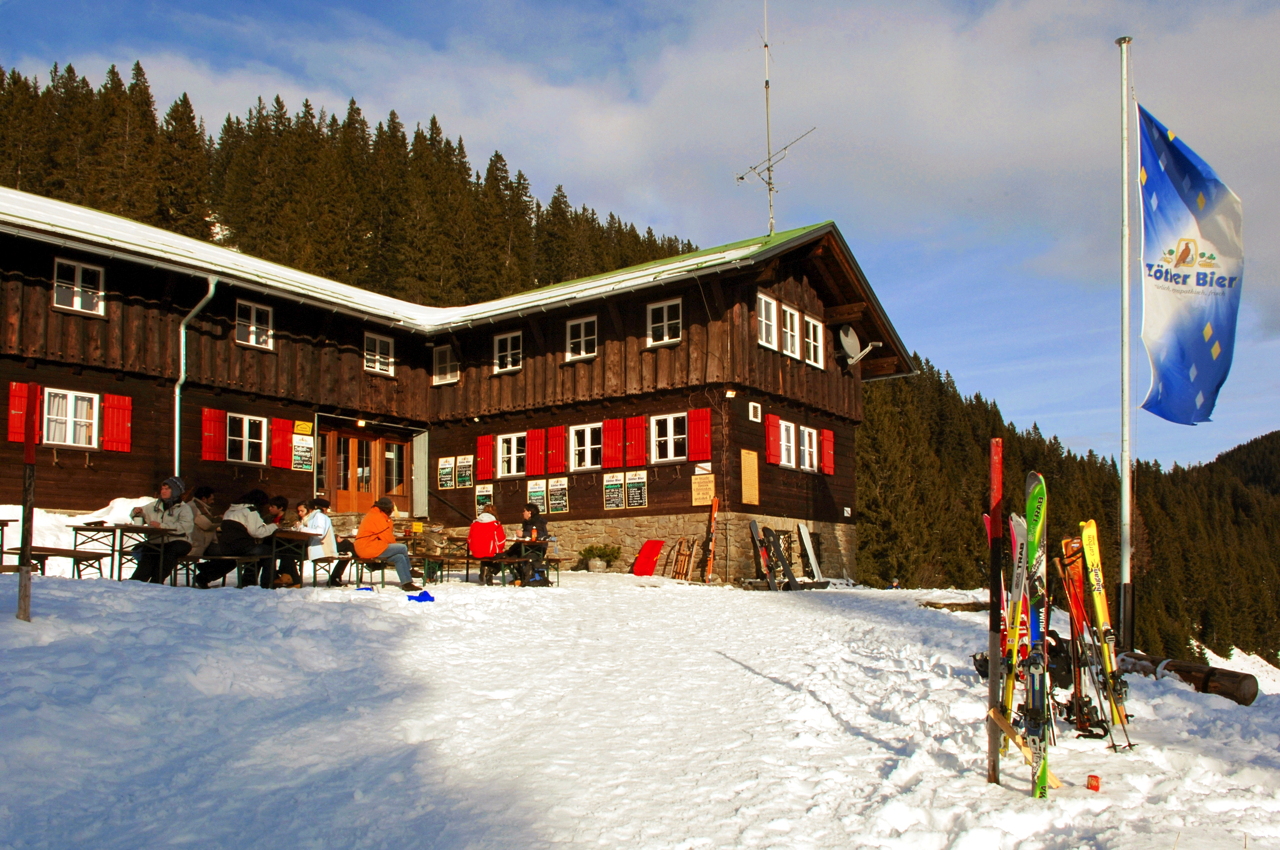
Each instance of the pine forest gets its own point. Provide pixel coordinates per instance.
(403, 212)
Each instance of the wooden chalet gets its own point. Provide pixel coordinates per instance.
(623, 403)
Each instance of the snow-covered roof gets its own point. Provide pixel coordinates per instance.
(24, 214)
(65, 224)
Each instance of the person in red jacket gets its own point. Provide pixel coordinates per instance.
(376, 540)
(484, 541)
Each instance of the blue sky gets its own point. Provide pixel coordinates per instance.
(969, 151)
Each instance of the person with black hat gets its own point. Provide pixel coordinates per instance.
(376, 541)
(244, 532)
(168, 512)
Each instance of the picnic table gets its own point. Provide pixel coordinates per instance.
(42, 554)
(119, 540)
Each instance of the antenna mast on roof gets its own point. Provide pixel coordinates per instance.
(771, 159)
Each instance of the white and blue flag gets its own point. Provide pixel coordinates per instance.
(1193, 272)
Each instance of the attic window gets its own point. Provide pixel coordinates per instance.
(77, 287)
(253, 325)
(446, 365)
(580, 342)
(379, 354)
(813, 342)
(767, 321)
(664, 322)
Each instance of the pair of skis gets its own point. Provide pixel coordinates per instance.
(1029, 582)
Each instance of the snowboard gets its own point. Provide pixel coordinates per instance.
(807, 542)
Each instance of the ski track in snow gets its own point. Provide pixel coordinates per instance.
(610, 712)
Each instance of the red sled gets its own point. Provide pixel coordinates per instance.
(647, 560)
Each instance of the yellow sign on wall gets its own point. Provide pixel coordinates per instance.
(750, 478)
(704, 489)
(302, 427)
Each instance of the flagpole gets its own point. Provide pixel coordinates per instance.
(1125, 602)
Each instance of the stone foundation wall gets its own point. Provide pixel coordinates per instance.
(735, 559)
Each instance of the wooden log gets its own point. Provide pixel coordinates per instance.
(1238, 687)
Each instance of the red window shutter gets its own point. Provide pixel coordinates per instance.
(484, 457)
(535, 452)
(555, 449)
(117, 423)
(611, 444)
(213, 434)
(636, 448)
(17, 412)
(772, 439)
(827, 451)
(700, 434)
(282, 443)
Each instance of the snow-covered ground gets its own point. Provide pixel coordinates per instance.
(609, 712)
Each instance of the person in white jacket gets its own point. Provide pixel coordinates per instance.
(169, 512)
(243, 532)
(311, 520)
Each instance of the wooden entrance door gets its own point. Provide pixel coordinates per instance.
(358, 467)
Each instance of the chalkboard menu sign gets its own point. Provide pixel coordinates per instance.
(538, 494)
(444, 476)
(484, 496)
(638, 489)
(614, 498)
(303, 452)
(463, 476)
(558, 495)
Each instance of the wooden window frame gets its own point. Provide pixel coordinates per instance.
(664, 326)
(69, 420)
(264, 442)
(77, 288)
(452, 368)
(516, 458)
(813, 343)
(789, 331)
(569, 356)
(787, 444)
(515, 355)
(808, 449)
(655, 440)
(253, 324)
(381, 365)
(597, 447)
(768, 339)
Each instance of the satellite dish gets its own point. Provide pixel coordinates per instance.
(849, 342)
(853, 346)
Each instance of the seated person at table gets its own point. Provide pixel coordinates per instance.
(344, 547)
(169, 511)
(311, 520)
(206, 531)
(243, 532)
(532, 542)
(484, 541)
(376, 541)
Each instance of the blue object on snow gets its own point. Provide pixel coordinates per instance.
(424, 596)
(370, 589)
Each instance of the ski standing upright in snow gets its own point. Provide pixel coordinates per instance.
(1037, 716)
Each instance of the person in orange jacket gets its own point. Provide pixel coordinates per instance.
(376, 540)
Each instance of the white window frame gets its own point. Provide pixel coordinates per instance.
(660, 445)
(593, 431)
(787, 444)
(813, 349)
(767, 321)
(376, 361)
(511, 455)
(808, 449)
(789, 332)
(77, 288)
(583, 340)
(69, 421)
(663, 326)
(506, 356)
(265, 442)
(253, 326)
(445, 369)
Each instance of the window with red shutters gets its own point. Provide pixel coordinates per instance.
(213, 434)
(772, 439)
(484, 457)
(555, 449)
(282, 443)
(827, 451)
(117, 423)
(700, 434)
(636, 441)
(535, 451)
(612, 449)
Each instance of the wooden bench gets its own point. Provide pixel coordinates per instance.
(80, 558)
